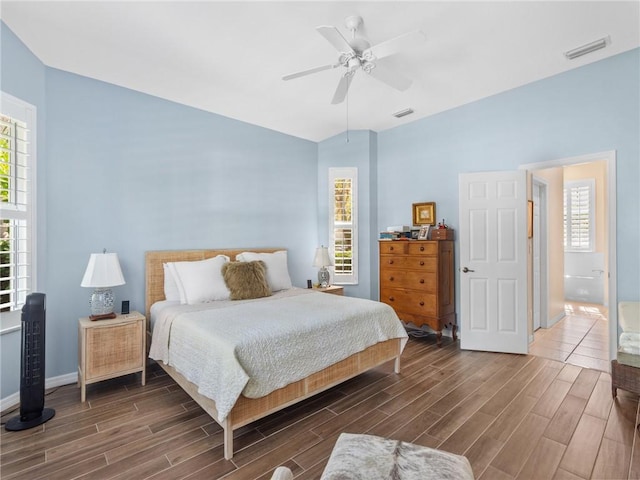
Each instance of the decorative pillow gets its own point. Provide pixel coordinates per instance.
(200, 281)
(246, 280)
(171, 291)
(277, 270)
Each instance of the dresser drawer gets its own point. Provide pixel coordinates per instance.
(427, 264)
(423, 248)
(413, 279)
(396, 248)
(410, 301)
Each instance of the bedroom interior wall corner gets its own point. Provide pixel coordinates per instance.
(229, 184)
(359, 152)
(23, 76)
(592, 108)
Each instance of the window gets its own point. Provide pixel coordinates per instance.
(343, 219)
(579, 221)
(16, 205)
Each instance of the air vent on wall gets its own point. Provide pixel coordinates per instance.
(588, 48)
(403, 113)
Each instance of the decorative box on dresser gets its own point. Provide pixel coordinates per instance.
(417, 280)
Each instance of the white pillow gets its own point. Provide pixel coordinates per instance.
(277, 271)
(201, 281)
(171, 291)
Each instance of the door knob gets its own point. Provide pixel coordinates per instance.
(465, 270)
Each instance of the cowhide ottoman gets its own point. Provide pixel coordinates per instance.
(366, 457)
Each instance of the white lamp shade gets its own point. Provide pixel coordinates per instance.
(103, 271)
(322, 258)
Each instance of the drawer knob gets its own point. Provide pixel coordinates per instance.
(390, 262)
(421, 248)
(391, 299)
(422, 304)
(391, 279)
(422, 280)
(421, 263)
(391, 248)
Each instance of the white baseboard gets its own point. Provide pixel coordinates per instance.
(552, 321)
(14, 399)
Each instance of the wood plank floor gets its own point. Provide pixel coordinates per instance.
(581, 338)
(513, 416)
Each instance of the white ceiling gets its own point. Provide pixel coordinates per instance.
(229, 57)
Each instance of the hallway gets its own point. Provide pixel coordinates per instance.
(581, 338)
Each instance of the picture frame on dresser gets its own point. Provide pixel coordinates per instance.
(423, 234)
(424, 213)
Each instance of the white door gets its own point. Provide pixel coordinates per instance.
(493, 261)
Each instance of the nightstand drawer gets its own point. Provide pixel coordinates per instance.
(113, 349)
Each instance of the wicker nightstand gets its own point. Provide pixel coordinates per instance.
(110, 348)
(333, 289)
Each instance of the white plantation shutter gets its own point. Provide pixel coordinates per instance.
(579, 216)
(343, 224)
(16, 241)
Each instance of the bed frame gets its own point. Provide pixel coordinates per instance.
(247, 410)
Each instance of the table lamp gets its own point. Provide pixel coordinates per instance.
(103, 272)
(323, 260)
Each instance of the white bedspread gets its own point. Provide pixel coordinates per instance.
(254, 347)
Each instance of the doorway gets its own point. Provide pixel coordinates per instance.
(549, 306)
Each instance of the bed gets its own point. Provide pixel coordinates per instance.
(251, 404)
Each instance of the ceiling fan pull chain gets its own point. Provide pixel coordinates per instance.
(347, 102)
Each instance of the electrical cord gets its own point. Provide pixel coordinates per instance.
(18, 406)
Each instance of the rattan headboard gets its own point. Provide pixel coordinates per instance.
(154, 272)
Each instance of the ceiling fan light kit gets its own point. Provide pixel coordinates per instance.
(358, 54)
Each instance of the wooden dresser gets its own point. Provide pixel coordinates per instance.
(417, 280)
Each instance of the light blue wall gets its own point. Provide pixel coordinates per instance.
(360, 152)
(586, 110)
(130, 172)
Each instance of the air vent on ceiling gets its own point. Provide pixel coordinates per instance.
(588, 48)
(403, 113)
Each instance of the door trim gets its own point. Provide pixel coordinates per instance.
(543, 246)
(611, 212)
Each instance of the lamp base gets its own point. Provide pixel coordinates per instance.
(324, 277)
(101, 304)
(103, 316)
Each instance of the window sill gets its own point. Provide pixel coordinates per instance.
(10, 322)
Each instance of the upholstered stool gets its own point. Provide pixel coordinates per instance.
(368, 457)
(282, 473)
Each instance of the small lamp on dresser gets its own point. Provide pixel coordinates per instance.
(323, 260)
(103, 272)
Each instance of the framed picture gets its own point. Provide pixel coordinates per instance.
(423, 234)
(424, 213)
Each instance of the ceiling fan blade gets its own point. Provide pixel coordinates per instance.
(390, 77)
(394, 45)
(309, 72)
(343, 88)
(335, 38)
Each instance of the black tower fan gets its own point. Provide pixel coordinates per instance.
(32, 411)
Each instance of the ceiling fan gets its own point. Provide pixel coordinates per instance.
(358, 54)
